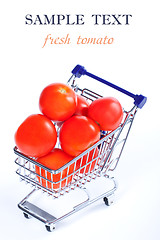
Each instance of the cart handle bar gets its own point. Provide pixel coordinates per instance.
(139, 100)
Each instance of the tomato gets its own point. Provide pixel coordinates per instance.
(84, 161)
(77, 134)
(57, 101)
(36, 136)
(82, 106)
(55, 160)
(106, 112)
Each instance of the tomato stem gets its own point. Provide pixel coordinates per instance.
(62, 90)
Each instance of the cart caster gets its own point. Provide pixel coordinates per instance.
(109, 200)
(50, 228)
(26, 215)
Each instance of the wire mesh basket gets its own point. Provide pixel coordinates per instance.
(97, 161)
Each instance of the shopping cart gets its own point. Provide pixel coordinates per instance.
(100, 160)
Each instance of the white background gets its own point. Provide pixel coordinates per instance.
(131, 62)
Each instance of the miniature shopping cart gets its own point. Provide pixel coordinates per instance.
(96, 166)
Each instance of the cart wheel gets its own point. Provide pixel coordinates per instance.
(26, 215)
(108, 200)
(50, 228)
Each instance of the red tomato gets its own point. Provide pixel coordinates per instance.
(77, 134)
(36, 136)
(106, 112)
(86, 159)
(82, 106)
(57, 101)
(55, 160)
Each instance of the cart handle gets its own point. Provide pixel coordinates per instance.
(139, 100)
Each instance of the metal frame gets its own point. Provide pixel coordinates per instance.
(31, 210)
(99, 164)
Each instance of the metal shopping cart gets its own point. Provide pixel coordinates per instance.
(109, 147)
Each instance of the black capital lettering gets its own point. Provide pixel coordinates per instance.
(96, 18)
(80, 19)
(38, 20)
(28, 18)
(106, 19)
(127, 18)
(116, 20)
(60, 18)
(68, 20)
(48, 21)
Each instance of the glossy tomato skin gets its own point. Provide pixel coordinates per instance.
(55, 160)
(82, 106)
(36, 136)
(77, 134)
(106, 112)
(57, 101)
